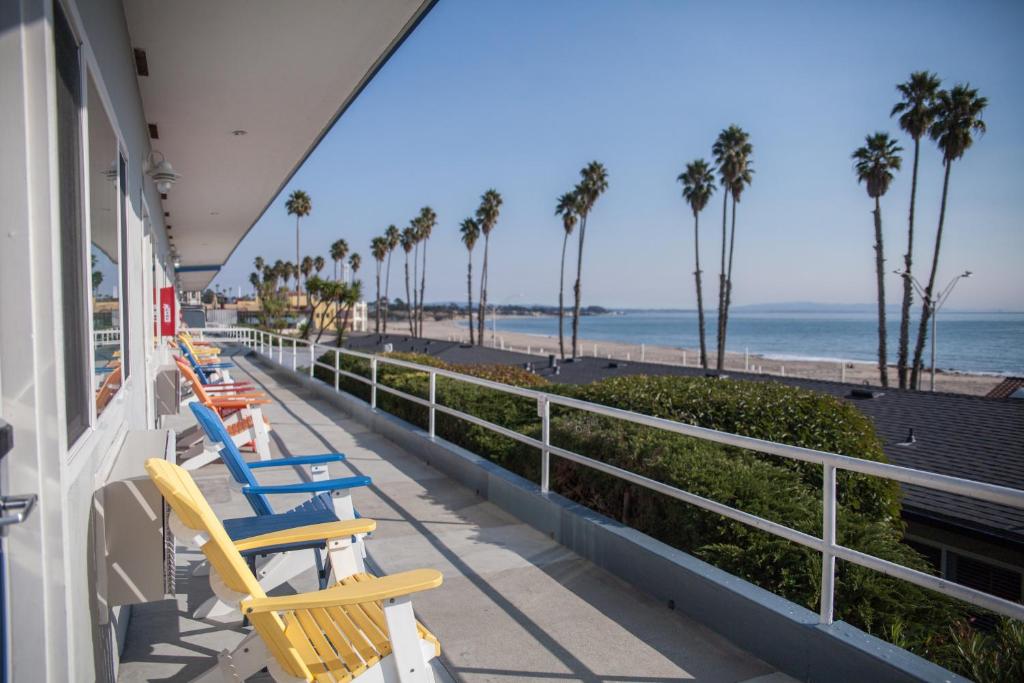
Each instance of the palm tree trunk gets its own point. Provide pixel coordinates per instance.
(728, 278)
(298, 261)
(576, 289)
(482, 315)
(926, 310)
(387, 288)
(719, 360)
(377, 311)
(469, 291)
(700, 293)
(344, 326)
(415, 298)
(408, 305)
(908, 285)
(883, 368)
(561, 301)
(423, 286)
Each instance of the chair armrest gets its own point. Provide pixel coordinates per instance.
(311, 486)
(371, 590)
(304, 534)
(215, 366)
(238, 401)
(300, 460)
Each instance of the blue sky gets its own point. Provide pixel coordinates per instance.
(520, 95)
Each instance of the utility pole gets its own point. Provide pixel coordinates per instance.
(934, 304)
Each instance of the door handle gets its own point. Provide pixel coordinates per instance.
(16, 509)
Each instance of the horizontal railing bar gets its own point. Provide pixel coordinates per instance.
(700, 501)
(504, 431)
(352, 375)
(401, 394)
(497, 386)
(938, 584)
(989, 492)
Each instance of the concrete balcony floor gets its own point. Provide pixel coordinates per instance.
(515, 605)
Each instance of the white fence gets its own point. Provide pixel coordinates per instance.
(295, 353)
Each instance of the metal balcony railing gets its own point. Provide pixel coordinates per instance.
(286, 351)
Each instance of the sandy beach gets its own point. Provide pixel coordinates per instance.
(852, 372)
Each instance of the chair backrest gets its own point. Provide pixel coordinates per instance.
(193, 379)
(189, 504)
(203, 377)
(216, 432)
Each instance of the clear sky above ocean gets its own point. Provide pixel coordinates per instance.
(520, 95)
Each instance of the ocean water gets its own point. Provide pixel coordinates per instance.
(969, 342)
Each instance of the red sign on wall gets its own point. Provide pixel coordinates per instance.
(168, 313)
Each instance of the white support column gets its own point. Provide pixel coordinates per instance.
(337, 369)
(373, 382)
(312, 358)
(545, 454)
(433, 398)
(828, 536)
(295, 359)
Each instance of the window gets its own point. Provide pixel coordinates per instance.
(983, 576)
(122, 175)
(105, 214)
(72, 232)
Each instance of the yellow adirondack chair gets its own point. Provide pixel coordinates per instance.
(362, 629)
(198, 348)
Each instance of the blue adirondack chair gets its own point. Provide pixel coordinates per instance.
(329, 501)
(201, 368)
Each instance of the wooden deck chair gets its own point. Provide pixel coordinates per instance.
(329, 500)
(200, 348)
(111, 383)
(206, 370)
(361, 630)
(240, 412)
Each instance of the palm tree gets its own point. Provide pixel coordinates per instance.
(744, 175)
(593, 183)
(279, 271)
(408, 241)
(917, 113)
(486, 218)
(426, 222)
(732, 151)
(259, 264)
(566, 208)
(875, 162)
(698, 185)
(318, 264)
(470, 232)
(957, 118)
(354, 262)
(379, 249)
(299, 205)
(306, 267)
(414, 225)
(392, 237)
(339, 250)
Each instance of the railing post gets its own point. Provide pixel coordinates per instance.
(295, 349)
(373, 382)
(312, 358)
(433, 396)
(280, 350)
(337, 367)
(828, 537)
(545, 455)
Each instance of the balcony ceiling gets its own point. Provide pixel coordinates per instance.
(281, 71)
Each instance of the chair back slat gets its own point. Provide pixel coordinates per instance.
(216, 432)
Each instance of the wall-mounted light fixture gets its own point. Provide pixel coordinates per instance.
(162, 173)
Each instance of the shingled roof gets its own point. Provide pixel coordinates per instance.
(974, 437)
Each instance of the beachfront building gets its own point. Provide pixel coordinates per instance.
(141, 141)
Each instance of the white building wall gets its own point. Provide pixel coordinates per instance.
(55, 627)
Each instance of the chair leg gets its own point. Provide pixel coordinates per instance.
(245, 660)
(410, 663)
(259, 431)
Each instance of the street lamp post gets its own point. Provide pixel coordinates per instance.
(934, 304)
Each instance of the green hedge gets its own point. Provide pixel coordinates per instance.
(782, 490)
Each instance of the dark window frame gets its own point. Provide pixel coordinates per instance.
(122, 175)
(77, 344)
